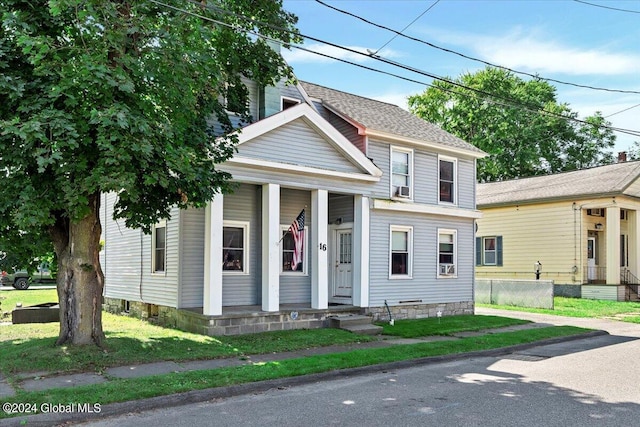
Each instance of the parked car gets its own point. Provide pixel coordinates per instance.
(21, 279)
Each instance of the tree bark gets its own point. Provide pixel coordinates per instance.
(80, 278)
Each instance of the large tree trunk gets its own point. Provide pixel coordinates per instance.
(80, 278)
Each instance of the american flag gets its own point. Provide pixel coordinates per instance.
(297, 231)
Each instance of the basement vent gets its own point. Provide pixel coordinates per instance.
(410, 301)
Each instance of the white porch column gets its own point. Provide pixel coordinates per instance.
(634, 242)
(271, 247)
(613, 245)
(212, 298)
(319, 252)
(361, 252)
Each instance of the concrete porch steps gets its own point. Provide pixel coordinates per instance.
(355, 323)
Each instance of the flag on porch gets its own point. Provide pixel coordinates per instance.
(297, 231)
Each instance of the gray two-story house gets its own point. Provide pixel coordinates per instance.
(388, 202)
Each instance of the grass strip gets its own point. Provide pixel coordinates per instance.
(626, 311)
(414, 328)
(120, 390)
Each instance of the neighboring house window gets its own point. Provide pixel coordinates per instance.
(401, 245)
(401, 173)
(489, 251)
(289, 102)
(159, 247)
(447, 253)
(235, 247)
(287, 250)
(447, 179)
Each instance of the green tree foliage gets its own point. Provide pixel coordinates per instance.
(519, 139)
(120, 96)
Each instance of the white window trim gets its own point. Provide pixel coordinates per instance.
(245, 245)
(409, 230)
(455, 253)
(161, 224)
(495, 251)
(305, 266)
(455, 180)
(287, 98)
(409, 151)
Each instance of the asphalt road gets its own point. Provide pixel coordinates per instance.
(592, 382)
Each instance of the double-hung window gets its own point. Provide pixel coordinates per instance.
(293, 259)
(159, 248)
(401, 173)
(447, 172)
(489, 251)
(401, 251)
(447, 253)
(235, 247)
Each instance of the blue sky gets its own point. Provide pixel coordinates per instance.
(564, 40)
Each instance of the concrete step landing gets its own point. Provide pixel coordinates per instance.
(355, 323)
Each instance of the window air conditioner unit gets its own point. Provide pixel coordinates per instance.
(447, 269)
(403, 191)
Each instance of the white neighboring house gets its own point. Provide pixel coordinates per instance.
(389, 204)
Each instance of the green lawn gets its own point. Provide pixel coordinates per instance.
(31, 296)
(577, 307)
(31, 348)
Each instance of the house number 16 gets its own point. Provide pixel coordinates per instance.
(323, 246)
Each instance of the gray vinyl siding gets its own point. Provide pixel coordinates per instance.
(425, 175)
(298, 144)
(289, 91)
(127, 261)
(294, 287)
(245, 204)
(298, 181)
(347, 130)
(162, 288)
(466, 183)
(341, 206)
(424, 286)
(192, 257)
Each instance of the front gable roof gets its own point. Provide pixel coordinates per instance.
(376, 118)
(610, 180)
(256, 146)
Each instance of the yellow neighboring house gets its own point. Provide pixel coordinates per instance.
(582, 227)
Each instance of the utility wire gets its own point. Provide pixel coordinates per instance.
(405, 28)
(622, 111)
(607, 7)
(510, 102)
(398, 33)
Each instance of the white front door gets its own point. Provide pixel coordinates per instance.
(591, 259)
(342, 277)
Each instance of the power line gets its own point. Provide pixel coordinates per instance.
(511, 103)
(398, 33)
(607, 7)
(622, 111)
(405, 28)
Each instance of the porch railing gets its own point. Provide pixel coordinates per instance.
(594, 274)
(631, 281)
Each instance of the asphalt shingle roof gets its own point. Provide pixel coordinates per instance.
(597, 181)
(384, 117)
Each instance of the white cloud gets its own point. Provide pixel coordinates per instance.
(302, 56)
(531, 50)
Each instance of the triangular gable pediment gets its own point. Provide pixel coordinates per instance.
(301, 138)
